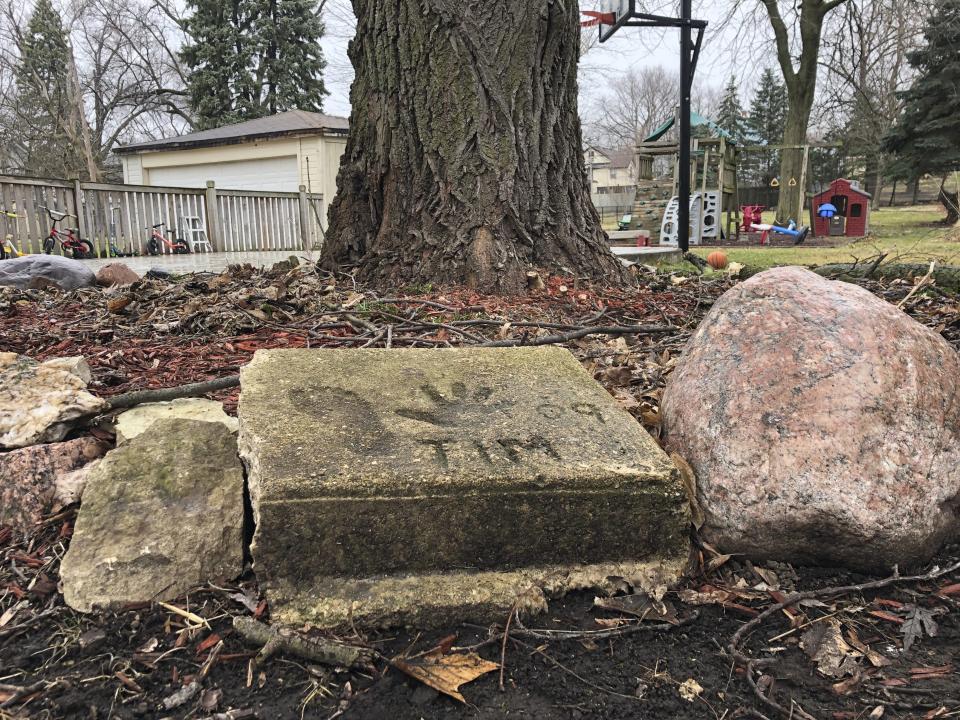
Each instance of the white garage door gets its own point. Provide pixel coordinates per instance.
(269, 174)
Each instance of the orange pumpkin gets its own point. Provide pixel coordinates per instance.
(718, 260)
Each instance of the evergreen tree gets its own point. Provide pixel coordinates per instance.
(252, 58)
(927, 137)
(290, 32)
(764, 126)
(730, 113)
(43, 100)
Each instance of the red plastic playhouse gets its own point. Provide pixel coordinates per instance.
(853, 210)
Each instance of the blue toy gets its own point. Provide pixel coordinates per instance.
(799, 234)
(828, 211)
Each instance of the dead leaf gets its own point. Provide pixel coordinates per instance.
(210, 699)
(353, 299)
(919, 621)
(149, 646)
(689, 479)
(11, 613)
(618, 376)
(769, 577)
(691, 690)
(845, 687)
(875, 658)
(718, 562)
(446, 673)
(824, 644)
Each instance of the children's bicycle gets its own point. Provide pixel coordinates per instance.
(8, 248)
(69, 239)
(157, 241)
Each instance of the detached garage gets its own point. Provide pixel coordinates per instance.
(277, 153)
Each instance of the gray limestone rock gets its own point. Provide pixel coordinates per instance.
(160, 515)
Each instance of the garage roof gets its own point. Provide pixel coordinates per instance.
(294, 122)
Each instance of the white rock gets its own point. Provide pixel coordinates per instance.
(40, 403)
(138, 420)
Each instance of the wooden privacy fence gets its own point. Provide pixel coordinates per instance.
(120, 216)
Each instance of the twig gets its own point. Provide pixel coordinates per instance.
(186, 615)
(623, 631)
(273, 640)
(752, 664)
(139, 397)
(567, 670)
(916, 288)
(503, 647)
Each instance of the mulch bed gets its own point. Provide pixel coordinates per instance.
(896, 646)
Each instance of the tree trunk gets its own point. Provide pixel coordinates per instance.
(791, 166)
(78, 125)
(801, 82)
(464, 161)
(951, 203)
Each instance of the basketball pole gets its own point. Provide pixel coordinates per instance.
(686, 91)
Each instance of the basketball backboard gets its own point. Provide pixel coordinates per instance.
(614, 14)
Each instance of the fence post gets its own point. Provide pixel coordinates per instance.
(213, 216)
(78, 207)
(305, 235)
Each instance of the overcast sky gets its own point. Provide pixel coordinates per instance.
(633, 48)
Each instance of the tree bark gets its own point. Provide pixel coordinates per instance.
(464, 161)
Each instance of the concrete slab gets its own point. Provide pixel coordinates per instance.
(400, 486)
(621, 236)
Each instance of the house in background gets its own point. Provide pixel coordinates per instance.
(274, 154)
(613, 180)
(611, 171)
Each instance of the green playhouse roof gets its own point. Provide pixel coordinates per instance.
(696, 120)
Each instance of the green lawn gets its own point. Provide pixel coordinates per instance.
(906, 234)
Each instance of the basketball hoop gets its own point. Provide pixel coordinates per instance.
(598, 18)
(614, 15)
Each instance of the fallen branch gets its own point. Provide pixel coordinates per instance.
(922, 283)
(140, 397)
(327, 652)
(581, 333)
(21, 693)
(947, 277)
(752, 664)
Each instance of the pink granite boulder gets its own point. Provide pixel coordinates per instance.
(823, 425)
(116, 274)
(39, 479)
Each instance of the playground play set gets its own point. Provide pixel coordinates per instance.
(694, 216)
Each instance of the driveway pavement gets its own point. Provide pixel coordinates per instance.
(198, 262)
